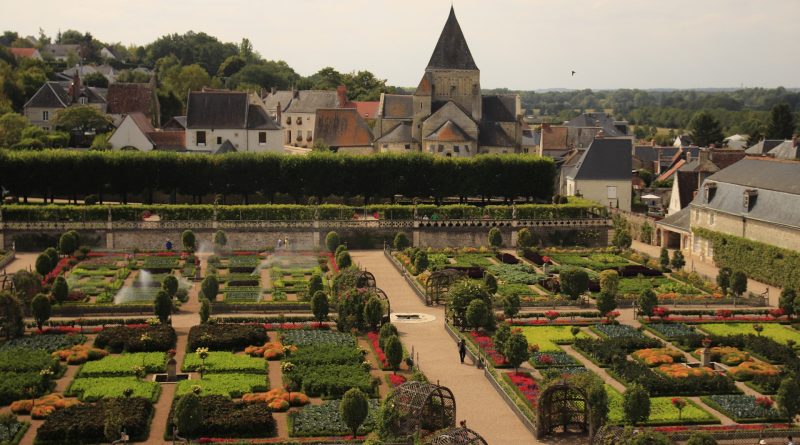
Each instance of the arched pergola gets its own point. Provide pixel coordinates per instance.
(422, 407)
(563, 405)
(387, 317)
(366, 280)
(439, 282)
(456, 436)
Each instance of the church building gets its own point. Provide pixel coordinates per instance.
(447, 115)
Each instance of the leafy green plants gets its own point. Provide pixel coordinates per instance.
(777, 332)
(742, 408)
(662, 411)
(670, 330)
(27, 360)
(96, 388)
(519, 273)
(137, 339)
(125, 364)
(616, 330)
(48, 343)
(553, 360)
(324, 420)
(330, 380)
(85, 423)
(228, 385)
(225, 362)
(549, 337)
(223, 417)
(308, 337)
(226, 337)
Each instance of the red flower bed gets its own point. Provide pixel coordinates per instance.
(62, 266)
(526, 385)
(373, 340)
(311, 440)
(245, 253)
(396, 380)
(739, 427)
(332, 260)
(297, 325)
(487, 346)
(582, 322)
(717, 319)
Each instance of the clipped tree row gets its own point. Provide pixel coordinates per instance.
(42, 173)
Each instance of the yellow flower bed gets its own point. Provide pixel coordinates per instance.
(748, 370)
(678, 371)
(657, 356)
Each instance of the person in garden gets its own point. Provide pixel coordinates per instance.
(789, 440)
(286, 243)
(462, 349)
(280, 243)
(168, 245)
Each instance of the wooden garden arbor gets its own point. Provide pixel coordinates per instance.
(422, 407)
(563, 405)
(456, 436)
(439, 282)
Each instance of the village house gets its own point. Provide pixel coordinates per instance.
(600, 173)
(225, 121)
(61, 52)
(296, 111)
(26, 53)
(136, 132)
(52, 97)
(690, 175)
(343, 130)
(126, 98)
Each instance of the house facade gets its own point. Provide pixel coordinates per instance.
(232, 121)
(53, 97)
(296, 110)
(601, 173)
(136, 132)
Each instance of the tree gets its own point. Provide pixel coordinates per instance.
(60, 290)
(205, 310)
(738, 283)
(40, 308)
(11, 126)
(700, 438)
(401, 241)
(511, 305)
(622, 239)
(26, 285)
(636, 404)
(516, 350)
(332, 241)
(387, 330)
(786, 302)
(490, 282)
(314, 285)
(82, 119)
(373, 313)
(524, 239)
(788, 397)
(12, 321)
(609, 282)
(574, 281)
(501, 336)
(648, 300)
(163, 306)
(210, 287)
(220, 239)
(606, 302)
(43, 264)
(677, 260)
(170, 285)
(477, 313)
(394, 352)
(353, 409)
(189, 240)
(343, 260)
(421, 261)
(781, 123)
(705, 129)
(52, 253)
(95, 80)
(231, 66)
(188, 414)
(495, 238)
(724, 279)
(320, 306)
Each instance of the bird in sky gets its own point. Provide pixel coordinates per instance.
(573, 72)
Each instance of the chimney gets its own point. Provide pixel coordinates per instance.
(600, 135)
(794, 140)
(705, 155)
(341, 94)
(75, 87)
(278, 113)
(295, 93)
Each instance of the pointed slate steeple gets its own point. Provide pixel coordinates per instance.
(452, 51)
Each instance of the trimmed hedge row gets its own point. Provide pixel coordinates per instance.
(85, 423)
(762, 262)
(382, 175)
(287, 212)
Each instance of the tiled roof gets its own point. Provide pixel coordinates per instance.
(398, 106)
(23, 52)
(367, 110)
(452, 51)
(425, 86)
(668, 174)
(342, 127)
(449, 132)
(126, 98)
(687, 186)
(168, 140)
(142, 121)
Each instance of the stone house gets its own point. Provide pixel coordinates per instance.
(343, 130)
(690, 175)
(601, 173)
(296, 111)
(61, 52)
(136, 132)
(583, 129)
(447, 114)
(232, 121)
(26, 53)
(126, 98)
(52, 97)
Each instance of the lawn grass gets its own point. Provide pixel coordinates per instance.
(777, 332)
(662, 412)
(548, 337)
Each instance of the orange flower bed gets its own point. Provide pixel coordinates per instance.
(657, 356)
(727, 354)
(678, 371)
(271, 350)
(80, 354)
(748, 370)
(277, 399)
(44, 406)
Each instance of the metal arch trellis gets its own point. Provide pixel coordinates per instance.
(457, 436)
(439, 282)
(422, 407)
(386, 303)
(563, 405)
(366, 280)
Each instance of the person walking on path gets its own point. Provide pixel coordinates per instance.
(462, 349)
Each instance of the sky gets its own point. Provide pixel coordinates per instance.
(517, 44)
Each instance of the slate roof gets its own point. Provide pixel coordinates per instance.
(177, 123)
(425, 86)
(398, 106)
(679, 220)
(342, 127)
(778, 195)
(608, 159)
(226, 147)
(301, 101)
(452, 51)
(786, 150)
(284, 98)
(687, 185)
(531, 138)
(226, 110)
(600, 120)
(645, 153)
(491, 134)
(60, 50)
(400, 134)
(500, 108)
(449, 132)
(126, 98)
(764, 146)
(56, 95)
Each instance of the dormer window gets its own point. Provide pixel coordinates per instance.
(82, 100)
(299, 120)
(749, 199)
(710, 190)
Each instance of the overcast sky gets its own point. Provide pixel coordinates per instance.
(518, 44)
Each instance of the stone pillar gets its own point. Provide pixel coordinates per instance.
(109, 234)
(415, 235)
(705, 357)
(171, 369)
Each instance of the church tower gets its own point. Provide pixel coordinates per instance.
(452, 73)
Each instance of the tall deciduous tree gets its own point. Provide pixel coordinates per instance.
(60, 290)
(82, 118)
(648, 300)
(724, 279)
(787, 301)
(738, 283)
(574, 281)
(40, 308)
(163, 306)
(705, 130)
(353, 409)
(636, 404)
(188, 414)
(320, 306)
(516, 350)
(781, 123)
(394, 352)
(788, 397)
